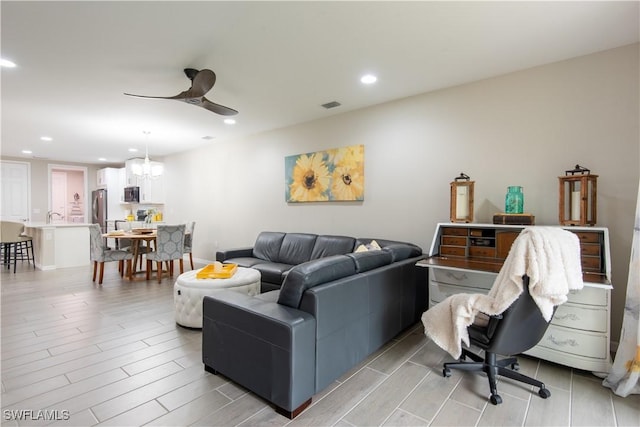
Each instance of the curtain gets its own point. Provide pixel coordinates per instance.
(624, 376)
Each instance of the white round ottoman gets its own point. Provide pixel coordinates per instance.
(188, 292)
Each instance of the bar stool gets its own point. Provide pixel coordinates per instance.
(12, 242)
(25, 249)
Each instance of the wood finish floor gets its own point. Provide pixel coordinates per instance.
(79, 354)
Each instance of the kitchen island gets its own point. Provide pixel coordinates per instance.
(59, 245)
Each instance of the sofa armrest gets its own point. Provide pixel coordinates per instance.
(234, 253)
(262, 345)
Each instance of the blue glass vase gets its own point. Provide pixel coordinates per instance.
(514, 200)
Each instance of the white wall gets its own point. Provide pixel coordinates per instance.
(524, 128)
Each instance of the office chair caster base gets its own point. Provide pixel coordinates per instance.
(495, 399)
(515, 366)
(446, 372)
(544, 393)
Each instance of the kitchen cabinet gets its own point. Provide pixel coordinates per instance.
(102, 176)
(465, 258)
(151, 188)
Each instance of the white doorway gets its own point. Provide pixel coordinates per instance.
(68, 194)
(16, 191)
(58, 211)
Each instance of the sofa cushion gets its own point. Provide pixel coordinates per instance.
(267, 246)
(332, 245)
(312, 273)
(272, 272)
(365, 261)
(296, 248)
(245, 261)
(400, 251)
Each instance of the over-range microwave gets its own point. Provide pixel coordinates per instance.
(132, 194)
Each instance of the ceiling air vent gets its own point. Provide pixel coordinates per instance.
(332, 104)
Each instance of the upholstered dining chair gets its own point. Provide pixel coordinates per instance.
(169, 246)
(120, 224)
(100, 254)
(188, 241)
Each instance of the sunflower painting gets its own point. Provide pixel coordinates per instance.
(325, 176)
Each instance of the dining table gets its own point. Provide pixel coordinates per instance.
(136, 236)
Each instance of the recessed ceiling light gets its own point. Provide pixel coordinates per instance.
(102, 159)
(7, 63)
(27, 152)
(46, 138)
(368, 79)
(230, 121)
(208, 137)
(133, 150)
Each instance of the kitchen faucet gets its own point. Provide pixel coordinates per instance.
(50, 214)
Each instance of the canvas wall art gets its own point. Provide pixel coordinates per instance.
(325, 176)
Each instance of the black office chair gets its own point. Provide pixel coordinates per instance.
(519, 328)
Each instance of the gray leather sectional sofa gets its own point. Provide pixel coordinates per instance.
(330, 313)
(275, 253)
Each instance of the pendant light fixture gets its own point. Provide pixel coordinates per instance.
(147, 169)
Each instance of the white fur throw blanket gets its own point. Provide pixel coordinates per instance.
(550, 256)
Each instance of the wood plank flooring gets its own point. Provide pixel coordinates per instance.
(78, 354)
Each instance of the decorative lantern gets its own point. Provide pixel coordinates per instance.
(461, 199)
(578, 197)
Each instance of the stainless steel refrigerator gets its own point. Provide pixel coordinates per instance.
(99, 208)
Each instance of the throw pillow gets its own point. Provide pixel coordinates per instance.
(372, 246)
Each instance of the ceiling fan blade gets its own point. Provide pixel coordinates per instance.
(217, 108)
(202, 83)
(154, 97)
(180, 97)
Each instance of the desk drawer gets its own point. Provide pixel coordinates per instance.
(590, 296)
(590, 250)
(469, 279)
(453, 250)
(438, 292)
(454, 231)
(477, 251)
(454, 240)
(588, 236)
(581, 317)
(591, 263)
(574, 342)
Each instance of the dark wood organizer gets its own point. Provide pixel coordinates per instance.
(485, 249)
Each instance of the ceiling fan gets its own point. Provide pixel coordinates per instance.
(201, 82)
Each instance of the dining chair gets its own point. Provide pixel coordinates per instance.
(128, 244)
(188, 241)
(100, 254)
(121, 224)
(169, 247)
